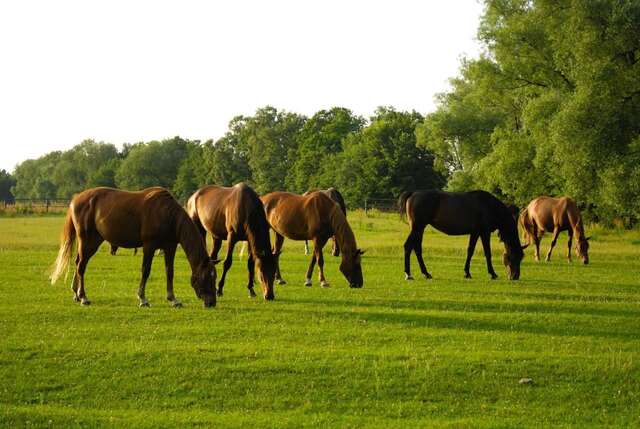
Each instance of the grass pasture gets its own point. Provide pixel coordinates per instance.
(442, 353)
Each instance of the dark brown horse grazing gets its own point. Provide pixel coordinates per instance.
(236, 214)
(557, 215)
(151, 219)
(336, 196)
(313, 217)
(477, 213)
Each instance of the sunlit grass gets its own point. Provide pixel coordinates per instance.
(445, 352)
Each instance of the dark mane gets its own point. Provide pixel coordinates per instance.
(257, 227)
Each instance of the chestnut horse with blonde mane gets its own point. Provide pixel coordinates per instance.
(315, 217)
(336, 196)
(557, 215)
(236, 214)
(151, 219)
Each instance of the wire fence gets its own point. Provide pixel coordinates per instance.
(39, 205)
(380, 204)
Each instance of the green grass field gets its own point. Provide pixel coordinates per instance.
(442, 353)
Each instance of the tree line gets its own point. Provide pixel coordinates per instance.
(551, 107)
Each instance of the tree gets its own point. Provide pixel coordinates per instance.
(7, 181)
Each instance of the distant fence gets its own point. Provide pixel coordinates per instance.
(380, 204)
(37, 204)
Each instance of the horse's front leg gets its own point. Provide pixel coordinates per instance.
(554, 238)
(486, 245)
(251, 267)
(169, 258)
(147, 259)
(231, 242)
(277, 249)
(87, 247)
(473, 239)
(335, 248)
(318, 244)
(312, 264)
(570, 232)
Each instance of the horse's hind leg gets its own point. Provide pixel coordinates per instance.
(147, 260)
(473, 239)
(228, 260)
(418, 250)
(169, 258)
(312, 264)
(251, 267)
(277, 249)
(570, 232)
(408, 248)
(486, 246)
(335, 248)
(306, 247)
(318, 244)
(87, 247)
(75, 280)
(554, 238)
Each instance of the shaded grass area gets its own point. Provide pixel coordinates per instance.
(442, 353)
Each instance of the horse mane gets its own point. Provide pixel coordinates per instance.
(342, 231)
(257, 227)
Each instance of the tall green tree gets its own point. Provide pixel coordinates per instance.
(7, 181)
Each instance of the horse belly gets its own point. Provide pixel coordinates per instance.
(121, 233)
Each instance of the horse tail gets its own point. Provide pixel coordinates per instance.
(67, 240)
(402, 203)
(525, 223)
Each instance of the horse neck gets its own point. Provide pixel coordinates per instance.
(343, 233)
(509, 234)
(578, 228)
(191, 241)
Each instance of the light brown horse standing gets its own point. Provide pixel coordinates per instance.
(236, 214)
(557, 215)
(336, 196)
(313, 217)
(151, 219)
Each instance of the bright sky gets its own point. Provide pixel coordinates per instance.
(128, 71)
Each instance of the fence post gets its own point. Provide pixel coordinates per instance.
(365, 207)
(46, 210)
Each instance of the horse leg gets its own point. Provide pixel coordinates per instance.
(277, 248)
(231, 242)
(147, 259)
(75, 280)
(473, 239)
(554, 238)
(217, 244)
(306, 247)
(87, 247)
(114, 249)
(307, 280)
(408, 248)
(251, 266)
(570, 232)
(335, 249)
(318, 244)
(537, 238)
(486, 246)
(169, 257)
(418, 249)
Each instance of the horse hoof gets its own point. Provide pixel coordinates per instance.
(176, 304)
(144, 303)
(85, 301)
(75, 298)
(252, 294)
(427, 276)
(408, 276)
(325, 285)
(307, 283)
(281, 282)
(467, 276)
(219, 293)
(494, 276)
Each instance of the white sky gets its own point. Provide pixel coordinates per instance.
(127, 71)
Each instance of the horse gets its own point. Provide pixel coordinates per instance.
(151, 219)
(336, 196)
(476, 213)
(315, 217)
(557, 215)
(236, 214)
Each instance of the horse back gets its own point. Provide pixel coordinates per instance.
(549, 213)
(222, 209)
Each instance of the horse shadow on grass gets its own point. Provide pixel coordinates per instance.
(340, 308)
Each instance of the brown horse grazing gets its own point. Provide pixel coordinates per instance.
(336, 196)
(313, 217)
(236, 214)
(151, 219)
(477, 213)
(557, 215)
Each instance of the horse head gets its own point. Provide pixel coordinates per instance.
(351, 268)
(266, 263)
(203, 280)
(582, 249)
